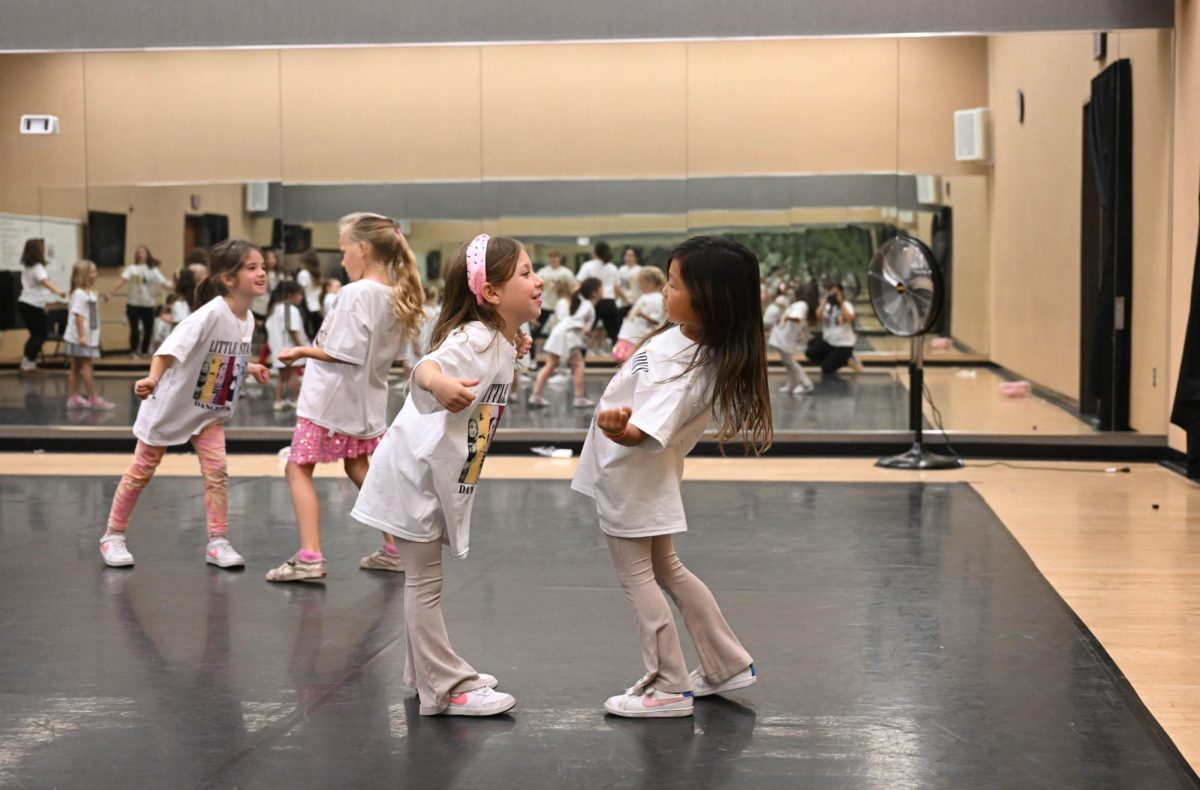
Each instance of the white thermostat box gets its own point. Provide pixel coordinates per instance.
(39, 124)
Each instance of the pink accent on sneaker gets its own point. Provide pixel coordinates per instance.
(212, 553)
(310, 556)
(458, 699)
(391, 550)
(650, 702)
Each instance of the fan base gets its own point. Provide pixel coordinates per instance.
(920, 458)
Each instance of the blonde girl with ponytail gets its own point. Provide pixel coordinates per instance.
(342, 412)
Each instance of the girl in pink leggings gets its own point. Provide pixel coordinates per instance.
(710, 358)
(193, 386)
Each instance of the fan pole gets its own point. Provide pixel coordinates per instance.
(918, 457)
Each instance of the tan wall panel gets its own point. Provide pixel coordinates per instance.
(757, 107)
(155, 117)
(1186, 169)
(584, 110)
(1036, 209)
(42, 84)
(971, 299)
(936, 77)
(1151, 54)
(381, 114)
(1036, 204)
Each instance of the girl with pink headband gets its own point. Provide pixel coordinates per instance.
(421, 485)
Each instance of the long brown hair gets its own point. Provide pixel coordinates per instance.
(34, 252)
(458, 303)
(721, 277)
(226, 257)
(390, 247)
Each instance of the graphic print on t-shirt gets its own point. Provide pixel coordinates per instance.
(220, 378)
(481, 428)
(93, 316)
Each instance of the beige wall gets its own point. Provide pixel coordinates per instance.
(971, 286)
(1185, 172)
(1035, 233)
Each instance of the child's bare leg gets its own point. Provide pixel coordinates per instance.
(577, 371)
(545, 373)
(279, 379)
(85, 371)
(356, 470)
(306, 505)
(73, 377)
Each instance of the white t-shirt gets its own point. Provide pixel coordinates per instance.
(361, 329)
(422, 479)
(144, 281)
(83, 303)
(33, 293)
(211, 348)
(786, 333)
(551, 278)
(160, 332)
(568, 333)
(836, 330)
(180, 310)
(312, 290)
(284, 325)
(605, 272)
(637, 325)
(627, 279)
(637, 488)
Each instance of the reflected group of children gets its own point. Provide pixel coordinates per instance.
(417, 477)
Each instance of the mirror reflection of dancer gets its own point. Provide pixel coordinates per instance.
(421, 485)
(568, 341)
(710, 359)
(193, 386)
(342, 413)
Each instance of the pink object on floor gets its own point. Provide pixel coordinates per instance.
(1015, 389)
(941, 344)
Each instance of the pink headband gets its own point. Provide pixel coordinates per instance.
(477, 265)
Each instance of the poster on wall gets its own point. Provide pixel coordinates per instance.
(62, 243)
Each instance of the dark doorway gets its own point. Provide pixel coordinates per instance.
(204, 231)
(1106, 249)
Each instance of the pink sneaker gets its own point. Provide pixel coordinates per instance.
(76, 402)
(100, 403)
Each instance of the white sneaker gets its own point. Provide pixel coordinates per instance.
(583, 402)
(112, 549)
(28, 364)
(650, 703)
(482, 701)
(802, 389)
(786, 388)
(747, 677)
(220, 553)
(280, 405)
(537, 400)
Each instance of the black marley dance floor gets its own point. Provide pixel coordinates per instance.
(903, 640)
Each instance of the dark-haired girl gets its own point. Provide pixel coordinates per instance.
(709, 360)
(192, 390)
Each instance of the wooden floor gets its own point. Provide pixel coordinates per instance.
(1122, 549)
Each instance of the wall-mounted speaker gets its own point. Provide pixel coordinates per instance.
(258, 196)
(972, 135)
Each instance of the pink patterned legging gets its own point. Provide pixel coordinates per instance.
(210, 448)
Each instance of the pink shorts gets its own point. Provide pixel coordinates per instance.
(312, 444)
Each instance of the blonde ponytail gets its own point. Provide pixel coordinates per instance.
(392, 248)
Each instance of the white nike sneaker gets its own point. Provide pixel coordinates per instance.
(747, 677)
(650, 703)
(482, 701)
(113, 550)
(220, 553)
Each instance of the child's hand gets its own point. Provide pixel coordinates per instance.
(259, 372)
(146, 387)
(613, 421)
(524, 343)
(453, 393)
(289, 355)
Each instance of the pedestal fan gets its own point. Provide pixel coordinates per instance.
(905, 286)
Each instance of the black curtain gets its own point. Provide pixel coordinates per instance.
(941, 243)
(1110, 143)
(1186, 413)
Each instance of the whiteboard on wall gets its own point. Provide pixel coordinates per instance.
(62, 244)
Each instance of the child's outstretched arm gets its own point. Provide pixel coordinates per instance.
(290, 355)
(144, 388)
(614, 423)
(452, 393)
